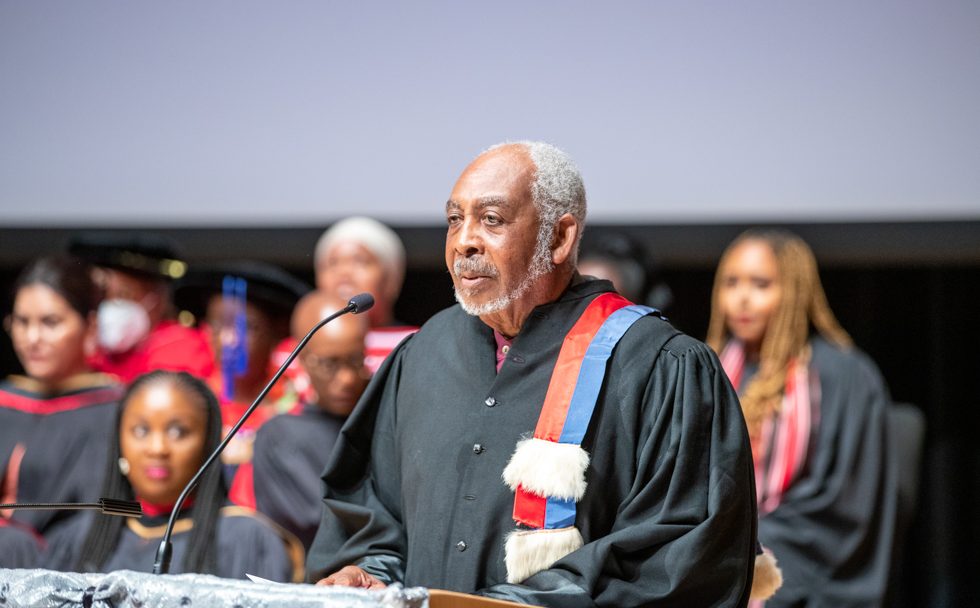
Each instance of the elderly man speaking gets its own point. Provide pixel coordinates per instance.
(546, 441)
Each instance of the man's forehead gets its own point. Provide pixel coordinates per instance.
(496, 177)
(338, 339)
(511, 159)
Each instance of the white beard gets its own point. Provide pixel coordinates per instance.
(540, 264)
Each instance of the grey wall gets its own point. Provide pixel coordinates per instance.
(248, 112)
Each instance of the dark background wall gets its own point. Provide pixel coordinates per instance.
(905, 291)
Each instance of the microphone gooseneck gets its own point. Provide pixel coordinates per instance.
(108, 506)
(161, 565)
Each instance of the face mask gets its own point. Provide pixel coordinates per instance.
(122, 323)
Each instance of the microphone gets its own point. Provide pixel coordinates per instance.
(161, 565)
(108, 506)
(362, 302)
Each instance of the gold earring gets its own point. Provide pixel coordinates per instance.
(124, 466)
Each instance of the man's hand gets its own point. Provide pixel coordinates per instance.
(352, 576)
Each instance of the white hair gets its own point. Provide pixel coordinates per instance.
(557, 189)
(377, 238)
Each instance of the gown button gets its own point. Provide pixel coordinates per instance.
(490, 402)
(461, 546)
(478, 448)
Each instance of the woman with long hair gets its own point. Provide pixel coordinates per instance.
(168, 423)
(815, 409)
(55, 417)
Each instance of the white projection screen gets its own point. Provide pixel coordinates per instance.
(257, 114)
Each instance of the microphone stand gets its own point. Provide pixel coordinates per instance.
(161, 564)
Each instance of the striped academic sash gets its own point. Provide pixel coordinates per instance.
(572, 395)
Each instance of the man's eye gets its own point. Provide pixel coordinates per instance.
(492, 219)
(453, 219)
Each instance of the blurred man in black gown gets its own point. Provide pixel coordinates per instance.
(291, 451)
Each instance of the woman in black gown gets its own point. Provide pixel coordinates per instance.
(56, 418)
(167, 425)
(815, 407)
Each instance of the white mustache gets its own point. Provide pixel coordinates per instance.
(475, 266)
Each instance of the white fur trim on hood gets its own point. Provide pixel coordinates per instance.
(548, 469)
(767, 577)
(528, 552)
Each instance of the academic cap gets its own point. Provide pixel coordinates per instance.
(267, 286)
(140, 253)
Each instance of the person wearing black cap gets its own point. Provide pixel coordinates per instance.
(136, 331)
(246, 306)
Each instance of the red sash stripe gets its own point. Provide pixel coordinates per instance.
(566, 372)
(35, 405)
(529, 509)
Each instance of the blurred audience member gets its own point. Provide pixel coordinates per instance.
(168, 423)
(815, 408)
(246, 307)
(55, 420)
(292, 451)
(627, 265)
(359, 254)
(136, 331)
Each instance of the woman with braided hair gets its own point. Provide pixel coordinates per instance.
(168, 423)
(815, 409)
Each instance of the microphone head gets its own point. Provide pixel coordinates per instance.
(361, 303)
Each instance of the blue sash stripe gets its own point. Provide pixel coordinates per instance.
(561, 513)
(593, 371)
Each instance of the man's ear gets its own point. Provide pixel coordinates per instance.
(564, 240)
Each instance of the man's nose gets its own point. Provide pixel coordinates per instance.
(346, 375)
(469, 240)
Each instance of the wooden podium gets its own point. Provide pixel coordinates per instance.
(451, 599)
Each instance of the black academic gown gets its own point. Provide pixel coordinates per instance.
(247, 543)
(289, 456)
(64, 441)
(832, 533)
(669, 515)
(19, 548)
